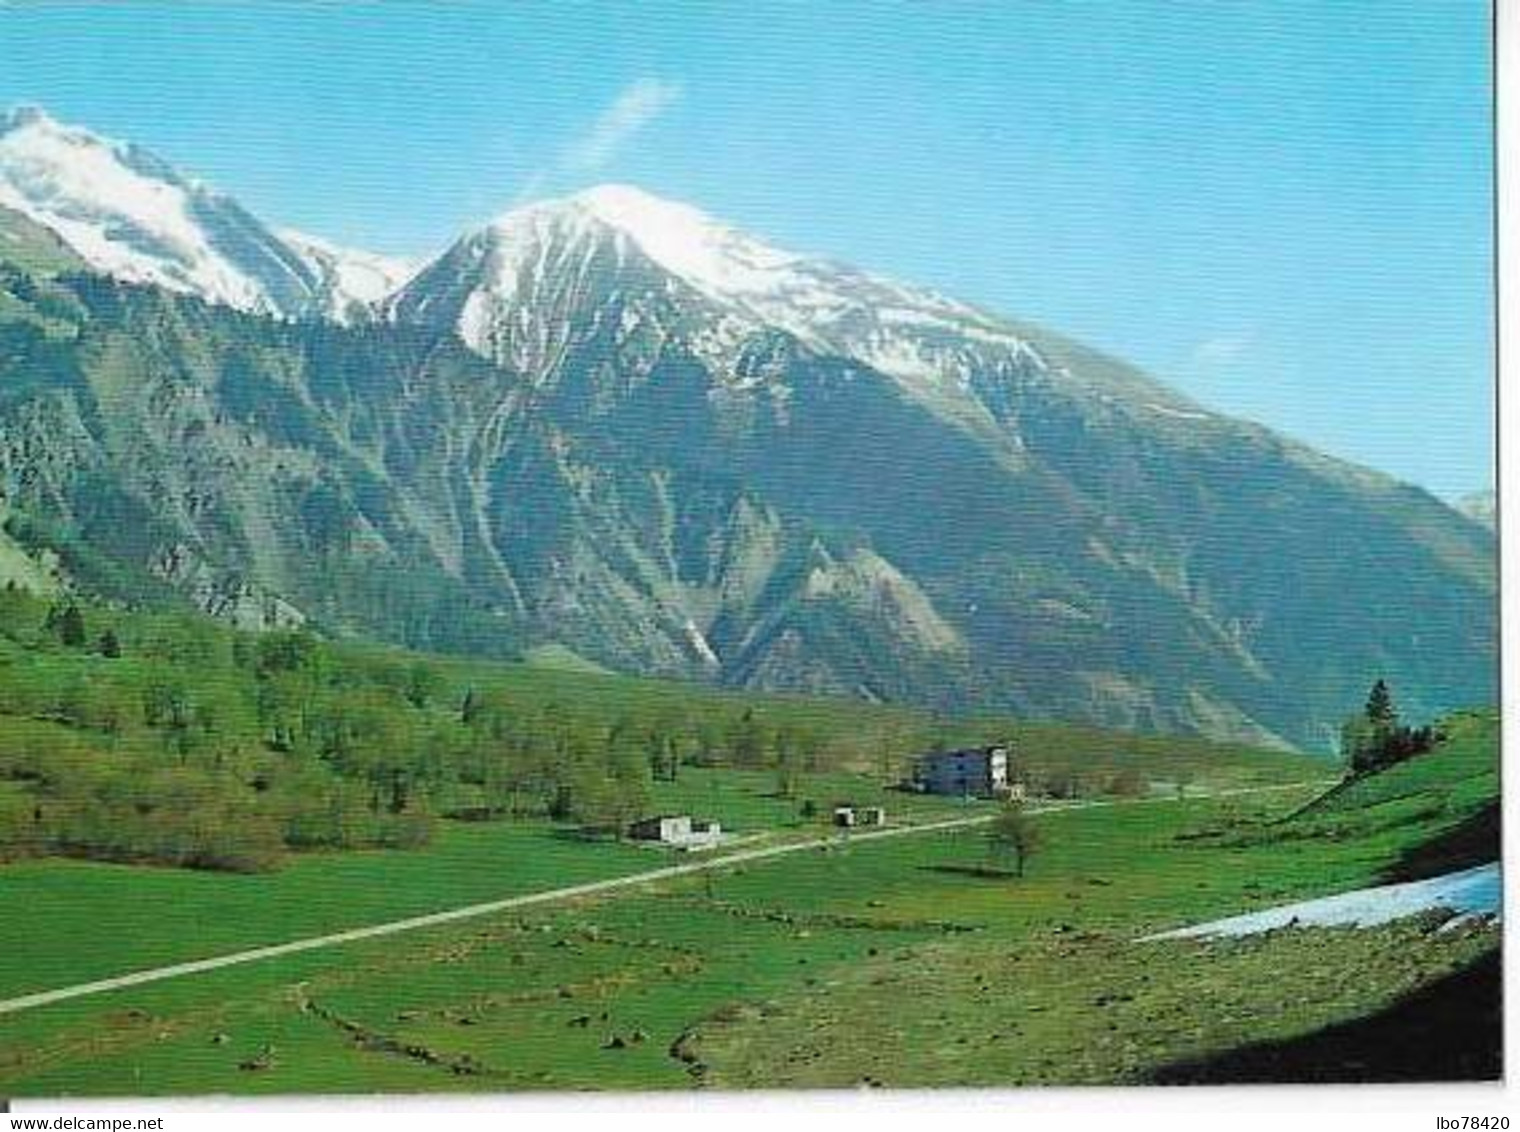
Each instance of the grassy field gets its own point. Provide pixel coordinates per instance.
(1459, 776)
(748, 801)
(86, 920)
(1092, 1010)
(901, 962)
(1451, 794)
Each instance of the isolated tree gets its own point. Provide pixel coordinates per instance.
(627, 770)
(244, 651)
(108, 645)
(165, 704)
(662, 745)
(423, 684)
(1014, 834)
(285, 651)
(813, 750)
(68, 625)
(18, 610)
(1128, 783)
(788, 763)
(747, 744)
(277, 706)
(1063, 784)
(470, 707)
(708, 741)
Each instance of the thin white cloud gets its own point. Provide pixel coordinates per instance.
(635, 107)
(1222, 350)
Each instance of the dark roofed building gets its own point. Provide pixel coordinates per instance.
(980, 772)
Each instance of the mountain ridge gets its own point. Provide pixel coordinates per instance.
(134, 216)
(548, 435)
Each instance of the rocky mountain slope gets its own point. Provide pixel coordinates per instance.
(615, 424)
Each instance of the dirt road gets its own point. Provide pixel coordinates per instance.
(613, 884)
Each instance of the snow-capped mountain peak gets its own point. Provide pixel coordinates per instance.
(802, 294)
(720, 261)
(131, 215)
(526, 288)
(498, 286)
(354, 282)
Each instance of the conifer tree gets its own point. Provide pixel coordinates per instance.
(1380, 708)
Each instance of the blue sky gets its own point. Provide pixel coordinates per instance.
(1281, 207)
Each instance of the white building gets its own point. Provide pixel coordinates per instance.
(677, 830)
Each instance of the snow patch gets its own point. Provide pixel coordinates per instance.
(700, 646)
(1181, 414)
(1470, 894)
(351, 278)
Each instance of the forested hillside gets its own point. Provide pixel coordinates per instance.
(172, 739)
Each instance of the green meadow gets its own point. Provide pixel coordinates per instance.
(910, 961)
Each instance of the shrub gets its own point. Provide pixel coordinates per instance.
(1128, 783)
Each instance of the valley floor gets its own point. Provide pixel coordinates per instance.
(903, 962)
